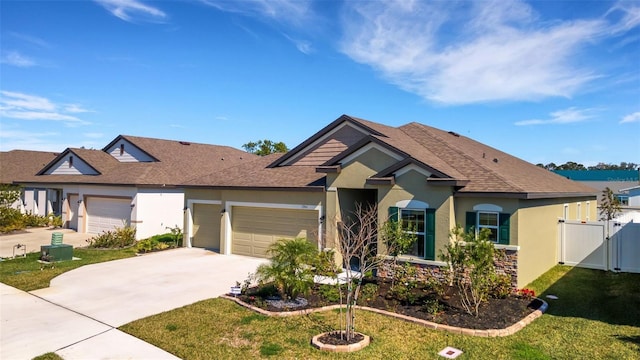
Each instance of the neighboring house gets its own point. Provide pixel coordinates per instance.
(131, 181)
(633, 196)
(21, 163)
(432, 178)
(616, 180)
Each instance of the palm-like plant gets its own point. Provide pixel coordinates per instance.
(290, 267)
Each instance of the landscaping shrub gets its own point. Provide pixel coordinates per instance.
(114, 239)
(368, 293)
(290, 267)
(10, 219)
(471, 269)
(156, 243)
(33, 220)
(54, 221)
(500, 286)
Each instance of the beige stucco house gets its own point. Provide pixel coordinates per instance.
(434, 178)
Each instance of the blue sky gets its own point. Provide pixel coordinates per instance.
(547, 81)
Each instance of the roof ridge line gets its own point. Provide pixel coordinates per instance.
(437, 138)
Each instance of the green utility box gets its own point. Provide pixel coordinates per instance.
(56, 252)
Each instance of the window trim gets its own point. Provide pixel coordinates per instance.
(418, 233)
(496, 227)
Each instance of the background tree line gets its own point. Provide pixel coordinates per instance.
(570, 165)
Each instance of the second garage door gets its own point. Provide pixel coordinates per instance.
(254, 229)
(105, 214)
(206, 226)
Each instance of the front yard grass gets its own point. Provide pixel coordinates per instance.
(25, 273)
(596, 316)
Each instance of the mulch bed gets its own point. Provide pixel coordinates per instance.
(493, 314)
(337, 338)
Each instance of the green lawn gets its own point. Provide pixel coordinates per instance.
(597, 316)
(25, 273)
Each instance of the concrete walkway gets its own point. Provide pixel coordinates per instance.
(76, 317)
(33, 238)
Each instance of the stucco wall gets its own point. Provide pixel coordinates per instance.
(156, 210)
(412, 185)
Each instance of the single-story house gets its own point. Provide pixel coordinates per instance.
(131, 181)
(16, 164)
(433, 178)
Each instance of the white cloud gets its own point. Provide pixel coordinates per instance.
(303, 46)
(11, 139)
(30, 39)
(128, 9)
(15, 105)
(471, 52)
(566, 116)
(634, 117)
(285, 11)
(94, 135)
(75, 108)
(14, 58)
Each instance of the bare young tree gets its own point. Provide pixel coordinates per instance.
(358, 239)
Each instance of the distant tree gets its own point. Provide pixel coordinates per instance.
(570, 165)
(265, 147)
(623, 166)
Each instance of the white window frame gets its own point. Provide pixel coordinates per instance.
(579, 211)
(496, 227)
(417, 233)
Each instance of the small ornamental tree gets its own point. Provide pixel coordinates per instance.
(609, 208)
(358, 240)
(471, 269)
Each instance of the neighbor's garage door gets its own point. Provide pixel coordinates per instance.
(254, 229)
(104, 214)
(206, 226)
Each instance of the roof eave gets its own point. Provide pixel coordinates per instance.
(447, 182)
(391, 180)
(334, 169)
(524, 195)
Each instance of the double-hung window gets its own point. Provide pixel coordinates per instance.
(489, 220)
(490, 217)
(416, 217)
(413, 222)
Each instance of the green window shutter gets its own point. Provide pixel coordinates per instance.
(430, 235)
(393, 213)
(505, 229)
(471, 221)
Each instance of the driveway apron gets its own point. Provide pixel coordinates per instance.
(77, 314)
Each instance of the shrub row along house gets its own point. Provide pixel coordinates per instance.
(238, 203)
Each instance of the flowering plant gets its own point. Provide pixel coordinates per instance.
(526, 293)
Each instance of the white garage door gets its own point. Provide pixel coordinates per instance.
(254, 229)
(104, 214)
(206, 226)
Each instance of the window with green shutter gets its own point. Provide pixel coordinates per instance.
(422, 223)
(497, 224)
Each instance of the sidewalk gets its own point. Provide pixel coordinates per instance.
(33, 238)
(32, 326)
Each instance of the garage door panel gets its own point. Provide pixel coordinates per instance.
(106, 214)
(255, 229)
(206, 226)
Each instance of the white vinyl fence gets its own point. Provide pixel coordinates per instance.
(585, 244)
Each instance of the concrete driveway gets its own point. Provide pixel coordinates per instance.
(77, 315)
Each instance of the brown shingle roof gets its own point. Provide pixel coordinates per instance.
(491, 170)
(17, 164)
(177, 162)
(258, 174)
